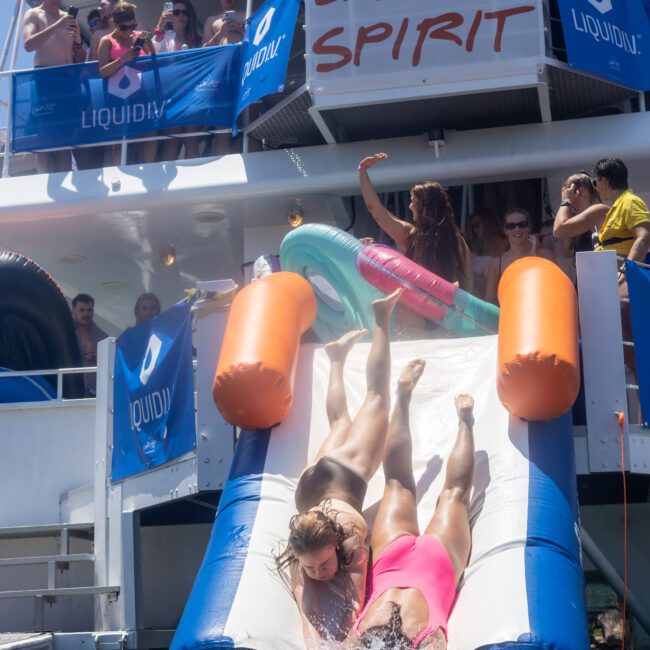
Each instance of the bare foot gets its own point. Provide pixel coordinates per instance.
(383, 307)
(465, 408)
(338, 350)
(409, 377)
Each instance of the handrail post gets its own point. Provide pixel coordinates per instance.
(10, 105)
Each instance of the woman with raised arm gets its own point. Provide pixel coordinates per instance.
(433, 240)
(415, 575)
(325, 561)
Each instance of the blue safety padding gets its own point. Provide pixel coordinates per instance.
(14, 390)
(554, 579)
(318, 251)
(208, 607)
(638, 283)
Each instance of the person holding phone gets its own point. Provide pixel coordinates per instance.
(225, 28)
(54, 38)
(119, 48)
(178, 29)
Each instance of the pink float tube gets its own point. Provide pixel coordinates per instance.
(387, 270)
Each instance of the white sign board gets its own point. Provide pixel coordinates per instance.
(385, 50)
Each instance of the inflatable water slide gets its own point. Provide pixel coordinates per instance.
(523, 587)
(36, 332)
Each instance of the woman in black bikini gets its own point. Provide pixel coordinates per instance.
(326, 555)
(517, 227)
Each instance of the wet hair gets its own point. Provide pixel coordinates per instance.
(582, 180)
(311, 531)
(517, 211)
(123, 11)
(141, 298)
(491, 229)
(193, 30)
(389, 635)
(83, 297)
(614, 171)
(436, 243)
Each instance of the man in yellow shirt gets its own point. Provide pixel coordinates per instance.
(624, 228)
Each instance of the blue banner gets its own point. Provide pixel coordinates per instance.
(153, 396)
(609, 38)
(265, 52)
(638, 283)
(73, 105)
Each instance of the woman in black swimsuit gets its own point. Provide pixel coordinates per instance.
(326, 555)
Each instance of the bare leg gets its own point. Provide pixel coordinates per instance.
(364, 447)
(450, 522)
(336, 402)
(397, 511)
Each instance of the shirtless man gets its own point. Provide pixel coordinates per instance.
(225, 29)
(54, 38)
(105, 9)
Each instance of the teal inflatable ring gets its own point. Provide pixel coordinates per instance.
(327, 257)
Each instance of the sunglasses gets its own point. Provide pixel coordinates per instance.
(180, 12)
(128, 28)
(516, 224)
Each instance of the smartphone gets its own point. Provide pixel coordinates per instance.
(72, 12)
(230, 15)
(138, 44)
(168, 6)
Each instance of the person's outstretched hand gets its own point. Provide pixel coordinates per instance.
(368, 162)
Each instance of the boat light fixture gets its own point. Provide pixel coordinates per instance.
(295, 212)
(168, 255)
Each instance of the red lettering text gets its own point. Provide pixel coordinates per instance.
(321, 47)
(448, 21)
(397, 47)
(373, 34)
(501, 17)
(469, 43)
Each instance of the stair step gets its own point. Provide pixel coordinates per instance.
(60, 591)
(46, 559)
(46, 530)
(25, 640)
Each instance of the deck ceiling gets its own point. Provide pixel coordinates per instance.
(572, 95)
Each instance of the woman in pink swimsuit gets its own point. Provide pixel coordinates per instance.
(116, 50)
(413, 581)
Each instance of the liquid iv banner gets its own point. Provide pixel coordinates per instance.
(153, 394)
(638, 282)
(64, 105)
(610, 38)
(265, 52)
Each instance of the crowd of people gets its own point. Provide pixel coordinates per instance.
(116, 38)
(89, 334)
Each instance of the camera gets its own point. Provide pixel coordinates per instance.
(138, 44)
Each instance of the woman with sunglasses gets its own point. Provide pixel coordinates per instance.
(516, 225)
(183, 26)
(182, 20)
(118, 48)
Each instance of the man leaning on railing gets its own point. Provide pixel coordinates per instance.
(54, 37)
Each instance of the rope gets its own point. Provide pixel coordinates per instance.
(621, 423)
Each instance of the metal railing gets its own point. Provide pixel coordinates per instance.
(59, 372)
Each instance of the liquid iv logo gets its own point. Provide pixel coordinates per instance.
(603, 6)
(150, 359)
(263, 27)
(125, 82)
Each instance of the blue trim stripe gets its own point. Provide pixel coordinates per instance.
(554, 578)
(207, 610)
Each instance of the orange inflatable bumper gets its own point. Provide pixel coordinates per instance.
(539, 371)
(253, 384)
